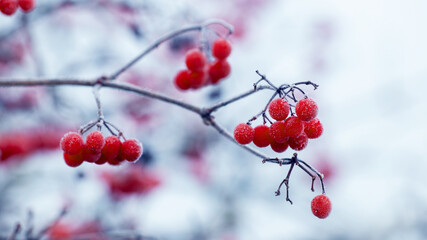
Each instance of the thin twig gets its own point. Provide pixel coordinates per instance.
(286, 182)
(313, 178)
(316, 172)
(53, 223)
(30, 224)
(236, 98)
(15, 232)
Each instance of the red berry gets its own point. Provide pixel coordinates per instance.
(277, 132)
(131, 150)
(313, 128)
(111, 148)
(279, 147)
(196, 79)
(298, 143)
(115, 161)
(59, 230)
(293, 126)
(102, 160)
(218, 70)
(221, 48)
(182, 80)
(195, 60)
(244, 133)
(321, 206)
(95, 142)
(261, 136)
(89, 155)
(72, 143)
(306, 109)
(26, 5)
(8, 7)
(74, 160)
(279, 109)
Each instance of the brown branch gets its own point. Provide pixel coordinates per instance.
(205, 115)
(114, 85)
(236, 98)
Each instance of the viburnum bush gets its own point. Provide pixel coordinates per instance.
(288, 121)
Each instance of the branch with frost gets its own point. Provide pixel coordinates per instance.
(205, 113)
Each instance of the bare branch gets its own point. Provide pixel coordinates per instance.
(236, 98)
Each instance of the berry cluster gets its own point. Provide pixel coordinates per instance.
(292, 131)
(130, 181)
(200, 72)
(14, 145)
(9, 7)
(98, 150)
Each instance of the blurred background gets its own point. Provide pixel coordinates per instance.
(192, 183)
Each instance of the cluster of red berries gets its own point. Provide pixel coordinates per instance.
(130, 181)
(321, 206)
(293, 131)
(14, 145)
(98, 150)
(200, 72)
(9, 7)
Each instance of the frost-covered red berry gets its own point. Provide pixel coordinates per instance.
(221, 48)
(72, 143)
(219, 70)
(293, 126)
(277, 132)
(306, 109)
(244, 133)
(279, 147)
(8, 7)
(95, 142)
(26, 5)
(261, 136)
(195, 60)
(74, 160)
(182, 80)
(313, 128)
(321, 206)
(196, 79)
(131, 150)
(115, 161)
(89, 155)
(298, 143)
(279, 109)
(102, 160)
(111, 148)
